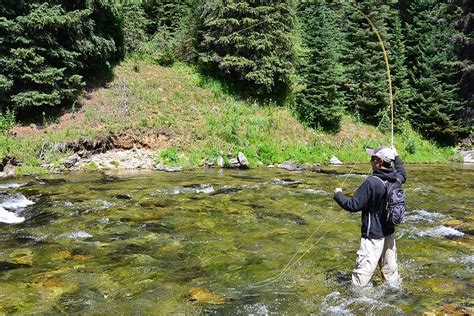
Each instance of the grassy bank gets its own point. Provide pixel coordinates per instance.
(196, 121)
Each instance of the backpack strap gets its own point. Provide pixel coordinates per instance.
(384, 182)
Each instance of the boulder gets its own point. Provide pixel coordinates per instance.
(234, 163)
(288, 165)
(335, 161)
(220, 162)
(244, 163)
(467, 155)
(291, 166)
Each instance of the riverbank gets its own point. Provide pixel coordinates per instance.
(185, 120)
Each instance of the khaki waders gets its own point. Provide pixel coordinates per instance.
(373, 252)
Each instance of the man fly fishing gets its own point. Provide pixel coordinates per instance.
(377, 244)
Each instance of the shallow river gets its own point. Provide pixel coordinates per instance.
(227, 242)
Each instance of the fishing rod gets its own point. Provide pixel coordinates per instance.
(387, 67)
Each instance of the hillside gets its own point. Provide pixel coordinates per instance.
(187, 119)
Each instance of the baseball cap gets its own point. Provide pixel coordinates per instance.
(385, 153)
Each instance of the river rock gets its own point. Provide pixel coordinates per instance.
(244, 163)
(220, 162)
(335, 161)
(234, 163)
(71, 161)
(291, 166)
(467, 155)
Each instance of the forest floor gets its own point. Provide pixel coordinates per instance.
(189, 120)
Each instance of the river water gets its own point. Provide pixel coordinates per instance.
(213, 241)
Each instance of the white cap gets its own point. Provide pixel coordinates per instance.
(385, 153)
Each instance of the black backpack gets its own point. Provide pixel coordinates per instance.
(395, 205)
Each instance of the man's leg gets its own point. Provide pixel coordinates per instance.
(367, 259)
(388, 261)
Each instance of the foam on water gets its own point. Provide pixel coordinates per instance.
(439, 231)
(76, 235)
(11, 185)
(423, 215)
(257, 309)
(10, 217)
(335, 304)
(16, 202)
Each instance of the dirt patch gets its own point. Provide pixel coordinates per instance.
(121, 141)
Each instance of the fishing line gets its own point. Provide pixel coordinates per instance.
(292, 262)
(300, 250)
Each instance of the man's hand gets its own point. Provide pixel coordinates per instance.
(337, 190)
(395, 151)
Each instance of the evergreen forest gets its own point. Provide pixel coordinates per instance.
(320, 57)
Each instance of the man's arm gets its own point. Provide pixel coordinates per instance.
(357, 202)
(400, 168)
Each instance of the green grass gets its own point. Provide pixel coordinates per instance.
(204, 122)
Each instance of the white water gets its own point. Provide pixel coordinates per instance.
(11, 206)
(10, 217)
(434, 232)
(11, 185)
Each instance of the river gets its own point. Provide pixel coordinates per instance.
(219, 242)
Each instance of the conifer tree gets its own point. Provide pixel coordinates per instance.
(367, 92)
(436, 109)
(402, 92)
(463, 21)
(249, 43)
(320, 103)
(44, 52)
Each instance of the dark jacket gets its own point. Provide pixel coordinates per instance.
(370, 199)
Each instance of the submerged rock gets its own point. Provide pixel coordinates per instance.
(23, 256)
(452, 309)
(123, 197)
(201, 295)
(7, 265)
(226, 190)
(443, 286)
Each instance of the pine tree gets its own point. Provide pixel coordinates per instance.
(402, 92)
(320, 103)
(249, 43)
(44, 53)
(367, 88)
(436, 109)
(463, 21)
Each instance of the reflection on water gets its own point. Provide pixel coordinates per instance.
(217, 242)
